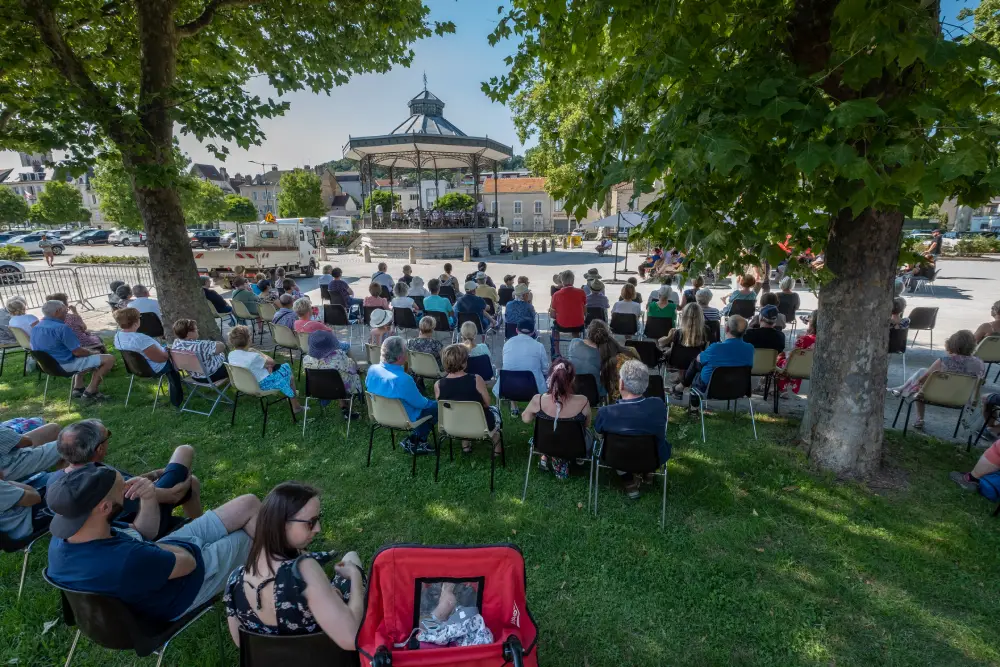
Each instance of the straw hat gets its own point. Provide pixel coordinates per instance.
(380, 318)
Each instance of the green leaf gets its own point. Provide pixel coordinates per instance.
(853, 112)
(810, 157)
(779, 106)
(725, 154)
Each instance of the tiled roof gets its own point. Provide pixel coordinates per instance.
(340, 201)
(513, 185)
(207, 171)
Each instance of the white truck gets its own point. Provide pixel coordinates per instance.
(260, 246)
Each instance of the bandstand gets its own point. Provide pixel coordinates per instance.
(427, 143)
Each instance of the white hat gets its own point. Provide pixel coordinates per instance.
(380, 318)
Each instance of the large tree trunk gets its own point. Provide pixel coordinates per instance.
(844, 423)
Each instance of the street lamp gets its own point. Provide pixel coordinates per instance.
(264, 166)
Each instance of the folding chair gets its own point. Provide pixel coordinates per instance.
(189, 363)
(24, 545)
(637, 454)
(448, 292)
(336, 315)
(944, 390)
(482, 366)
(465, 420)
(222, 317)
(150, 324)
(506, 295)
(509, 330)
(587, 385)
(988, 350)
(680, 357)
(657, 327)
(798, 367)
(419, 300)
(726, 384)
(244, 316)
(923, 319)
(326, 384)
(595, 314)
(51, 368)
(285, 338)
(742, 307)
(565, 439)
(366, 314)
(324, 294)
(303, 348)
(245, 383)
(786, 307)
(404, 319)
(897, 345)
(106, 621)
(992, 414)
(624, 324)
(389, 413)
(267, 311)
(516, 387)
(715, 329)
(648, 352)
(657, 389)
(138, 365)
(441, 323)
(312, 650)
(24, 341)
(373, 353)
(424, 366)
(764, 364)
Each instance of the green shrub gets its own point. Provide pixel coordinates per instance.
(977, 245)
(334, 240)
(13, 253)
(108, 259)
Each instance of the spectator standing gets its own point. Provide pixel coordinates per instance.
(635, 415)
(212, 353)
(46, 245)
(559, 402)
(568, 309)
(389, 379)
(144, 303)
(51, 335)
(128, 338)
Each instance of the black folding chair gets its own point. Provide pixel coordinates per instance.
(312, 650)
(657, 389)
(25, 545)
(51, 368)
(637, 454)
(897, 345)
(565, 439)
(482, 366)
(743, 307)
(324, 294)
(680, 357)
(470, 317)
(624, 324)
(923, 319)
(516, 387)
(366, 314)
(108, 622)
(440, 321)
(648, 352)
(726, 384)
(657, 327)
(419, 300)
(326, 384)
(138, 366)
(448, 292)
(595, 314)
(404, 318)
(715, 331)
(509, 330)
(587, 385)
(150, 324)
(506, 294)
(336, 315)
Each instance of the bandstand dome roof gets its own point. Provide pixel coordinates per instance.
(427, 140)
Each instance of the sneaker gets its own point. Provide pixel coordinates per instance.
(515, 411)
(964, 480)
(543, 463)
(351, 416)
(422, 448)
(96, 396)
(78, 393)
(407, 446)
(632, 490)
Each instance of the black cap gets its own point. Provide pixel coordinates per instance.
(74, 496)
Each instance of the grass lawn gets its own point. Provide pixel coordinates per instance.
(762, 562)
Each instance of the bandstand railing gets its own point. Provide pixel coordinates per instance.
(429, 220)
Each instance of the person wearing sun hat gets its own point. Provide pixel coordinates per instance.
(519, 307)
(596, 298)
(590, 276)
(381, 323)
(327, 353)
(160, 580)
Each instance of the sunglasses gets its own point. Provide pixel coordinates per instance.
(312, 523)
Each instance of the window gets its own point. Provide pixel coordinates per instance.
(538, 224)
(415, 196)
(93, 199)
(254, 194)
(538, 207)
(30, 190)
(17, 191)
(431, 194)
(517, 223)
(559, 205)
(517, 208)
(493, 207)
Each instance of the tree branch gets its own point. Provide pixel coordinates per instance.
(194, 27)
(109, 9)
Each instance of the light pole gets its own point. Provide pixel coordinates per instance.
(267, 200)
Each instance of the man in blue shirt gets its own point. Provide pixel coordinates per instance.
(52, 336)
(160, 580)
(732, 352)
(389, 379)
(635, 415)
(470, 303)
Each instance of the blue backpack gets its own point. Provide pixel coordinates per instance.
(989, 487)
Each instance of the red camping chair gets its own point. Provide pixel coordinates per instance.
(399, 574)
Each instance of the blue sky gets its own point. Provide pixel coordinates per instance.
(316, 127)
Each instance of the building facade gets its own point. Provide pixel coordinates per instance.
(29, 180)
(525, 206)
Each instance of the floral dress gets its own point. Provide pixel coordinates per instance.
(75, 322)
(291, 610)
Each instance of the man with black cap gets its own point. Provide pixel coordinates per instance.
(934, 246)
(470, 303)
(766, 336)
(160, 580)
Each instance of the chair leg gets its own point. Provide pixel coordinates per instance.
(235, 401)
(753, 420)
(295, 420)
(437, 455)
(371, 439)
(159, 385)
(305, 417)
(898, 410)
(350, 411)
(597, 485)
(72, 649)
(590, 481)
(159, 654)
(3, 358)
(527, 473)
(24, 571)
(45, 391)
(493, 464)
(958, 424)
(907, 422)
(701, 411)
(979, 435)
(263, 428)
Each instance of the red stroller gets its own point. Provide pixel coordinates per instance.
(408, 581)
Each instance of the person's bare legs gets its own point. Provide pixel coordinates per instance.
(984, 467)
(192, 508)
(43, 434)
(107, 363)
(240, 513)
(920, 413)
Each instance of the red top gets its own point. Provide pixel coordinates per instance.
(570, 304)
(309, 326)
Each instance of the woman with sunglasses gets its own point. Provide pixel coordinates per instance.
(283, 589)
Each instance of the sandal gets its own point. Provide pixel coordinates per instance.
(919, 424)
(466, 447)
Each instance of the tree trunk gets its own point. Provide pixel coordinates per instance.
(844, 423)
(174, 271)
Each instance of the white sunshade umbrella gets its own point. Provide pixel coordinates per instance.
(625, 220)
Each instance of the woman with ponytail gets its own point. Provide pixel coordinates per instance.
(560, 403)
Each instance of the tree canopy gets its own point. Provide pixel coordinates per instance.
(14, 209)
(384, 198)
(240, 209)
(300, 195)
(455, 201)
(61, 203)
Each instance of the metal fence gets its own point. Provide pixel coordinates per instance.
(80, 283)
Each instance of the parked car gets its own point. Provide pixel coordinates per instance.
(75, 237)
(95, 237)
(8, 236)
(227, 239)
(951, 239)
(205, 238)
(127, 237)
(10, 272)
(30, 244)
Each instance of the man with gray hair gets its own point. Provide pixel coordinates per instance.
(142, 301)
(86, 442)
(635, 415)
(285, 316)
(389, 379)
(52, 336)
(214, 298)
